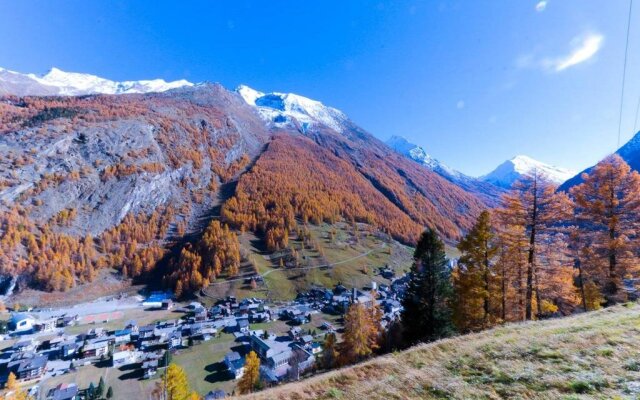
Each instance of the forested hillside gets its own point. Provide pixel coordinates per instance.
(133, 182)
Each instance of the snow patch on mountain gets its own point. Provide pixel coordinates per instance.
(507, 173)
(287, 108)
(58, 82)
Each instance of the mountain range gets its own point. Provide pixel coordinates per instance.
(155, 168)
(61, 83)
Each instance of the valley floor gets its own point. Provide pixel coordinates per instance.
(589, 356)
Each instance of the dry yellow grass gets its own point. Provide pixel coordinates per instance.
(588, 356)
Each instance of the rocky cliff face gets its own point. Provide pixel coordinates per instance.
(110, 155)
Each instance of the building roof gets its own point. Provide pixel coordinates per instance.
(17, 317)
(214, 395)
(28, 364)
(64, 391)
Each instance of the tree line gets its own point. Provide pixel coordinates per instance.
(542, 253)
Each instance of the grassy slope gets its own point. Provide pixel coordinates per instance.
(356, 264)
(592, 356)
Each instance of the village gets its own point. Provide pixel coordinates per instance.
(46, 350)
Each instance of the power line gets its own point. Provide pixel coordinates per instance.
(624, 72)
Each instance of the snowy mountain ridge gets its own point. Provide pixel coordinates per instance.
(285, 108)
(417, 153)
(61, 83)
(507, 173)
(488, 192)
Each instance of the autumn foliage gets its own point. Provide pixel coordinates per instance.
(217, 252)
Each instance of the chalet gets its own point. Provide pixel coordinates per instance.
(48, 325)
(122, 336)
(95, 348)
(260, 317)
(96, 333)
(29, 368)
(200, 315)
(55, 342)
(275, 355)
(328, 327)
(302, 319)
(306, 339)
(316, 348)
(294, 333)
(175, 340)
(67, 321)
(339, 289)
(132, 325)
(387, 273)
(64, 391)
(25, 345)
(391, 306)
(22, 323)
(235, 364)
(125, 357)
(243, 324)
(69, 349)
(146, 332)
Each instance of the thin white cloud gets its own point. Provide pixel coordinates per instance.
(460, 104)
(583, 48)
(541, 6)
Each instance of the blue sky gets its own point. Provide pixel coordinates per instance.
(474, 82)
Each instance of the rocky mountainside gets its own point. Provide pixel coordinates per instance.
(102, 180)
(489, 193)
(630, 152)
(507, 173)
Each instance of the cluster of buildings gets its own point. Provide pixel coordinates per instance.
(144, 348)
(288, 356)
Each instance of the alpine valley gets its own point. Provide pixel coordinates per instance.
(128, 177)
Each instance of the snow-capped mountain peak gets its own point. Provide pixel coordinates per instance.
(282, 108)
(487, 192)
(507, 173)
(62, 83)
(417, 153)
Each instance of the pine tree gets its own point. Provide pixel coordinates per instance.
(110, 393)
(177, 384)
(329, 355)
(100, 389)
(531, 211)
(251, 377)
(608, 217)
(91, 391)
(427, 312)
(472, 278)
